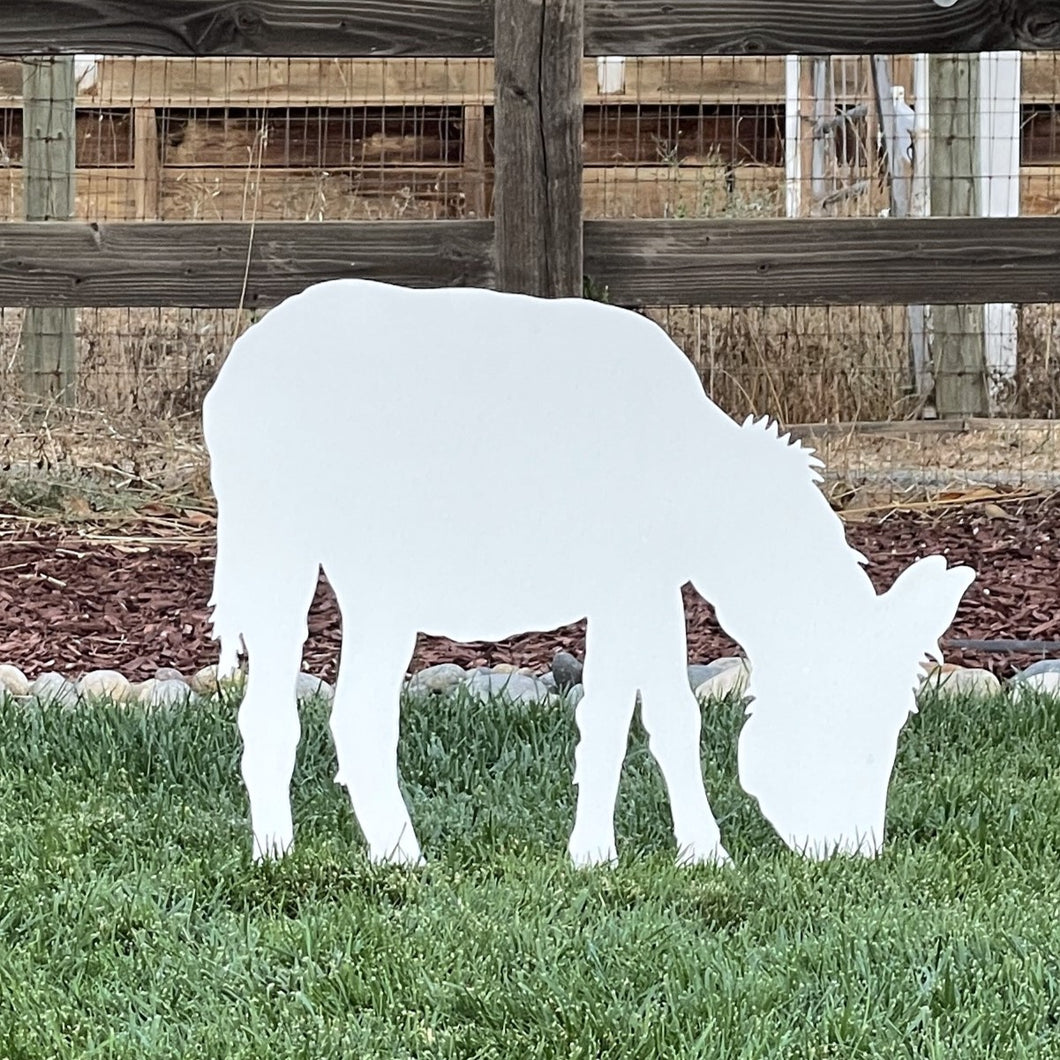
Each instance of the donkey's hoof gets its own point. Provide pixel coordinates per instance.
(594, 857)
(408, 858)
(271, 847)
(713, 854)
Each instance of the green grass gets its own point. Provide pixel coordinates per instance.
(132, 923)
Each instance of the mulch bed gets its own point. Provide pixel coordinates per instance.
(134, 599)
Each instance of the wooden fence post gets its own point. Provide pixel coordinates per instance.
(147, 164)
(49, 97)
(538, 134)
(958, 352)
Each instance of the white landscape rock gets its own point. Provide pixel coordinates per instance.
(700, 673)
(54, 689)
(13, 680)
(440, 678)
(961, 680)
(518, 688)
(548, 679)
(309, 686)
(168, 692)
(729, 680)
(573, 696)
(1043, 666)
(1040, 682)
(204, 682)
(104, 684)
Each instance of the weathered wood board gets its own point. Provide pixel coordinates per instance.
(460, 28)
(230, 264)
(860, 261)
(848, 261)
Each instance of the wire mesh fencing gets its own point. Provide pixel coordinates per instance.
(673, 137)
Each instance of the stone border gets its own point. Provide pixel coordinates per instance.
(723, 677)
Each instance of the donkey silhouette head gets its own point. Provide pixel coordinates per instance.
(819, 744)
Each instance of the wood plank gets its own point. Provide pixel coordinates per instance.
(328, 138)
(653, 134)
(1040, 135)
(1040, 190)
(49, 350)
(871, 261)
(815, 27)
(459, 28)
(538, 147)
(958, 351)
(100, 195)
(640, 262)
(211, 194)
(1041, 78)
(475, 160)
(103, 137)
(203, 265)
(250, 82)
(147, 167)
(247, 27)
(257, 82)
(682, 191)
(353, 194)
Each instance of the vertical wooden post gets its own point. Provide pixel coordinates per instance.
(49, 93)
(475, 160)
(147, 163)
(538, 134)
(961, 384)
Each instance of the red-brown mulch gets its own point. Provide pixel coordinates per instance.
(73, 603)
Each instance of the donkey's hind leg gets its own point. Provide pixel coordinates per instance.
(670, 713)
(603, 715)
(274, 634)
(365, 722)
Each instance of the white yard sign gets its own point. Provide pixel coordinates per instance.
(476, 465)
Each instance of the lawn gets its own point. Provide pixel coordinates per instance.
(132, 923)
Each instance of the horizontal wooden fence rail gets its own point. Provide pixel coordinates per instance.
(642, 262)
(229, 264)
(836, 261)
(456, 28)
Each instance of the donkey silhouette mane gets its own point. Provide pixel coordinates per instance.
(344, 430)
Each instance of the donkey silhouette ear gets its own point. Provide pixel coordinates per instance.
(923, 601)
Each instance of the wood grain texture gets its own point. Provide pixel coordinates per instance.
(640, 262)
(49, 349)
(203, 264)
(825, 262)
(538, 118)
(817, 27)
(320, 28)
(460, 28)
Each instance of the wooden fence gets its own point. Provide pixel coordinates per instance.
(537, 241)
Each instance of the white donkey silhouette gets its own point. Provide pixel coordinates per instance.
(475, 464)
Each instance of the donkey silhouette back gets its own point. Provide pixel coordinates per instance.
(474, 464)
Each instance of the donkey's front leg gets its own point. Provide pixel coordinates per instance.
(672, 718)
(365, 722)
(603, 717)
(269, 726)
